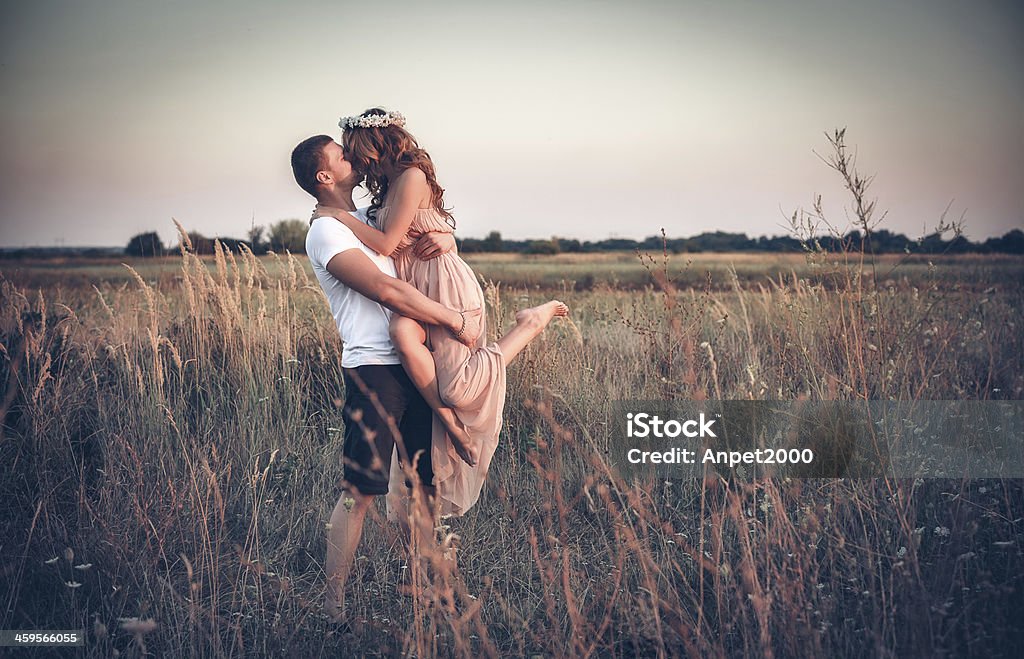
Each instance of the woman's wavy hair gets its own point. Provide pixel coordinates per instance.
(371, 150)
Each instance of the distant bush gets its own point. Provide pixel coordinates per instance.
(492, 243)
(1011, 242)
(145, 244)
(255, 239)
(234, 244)
(543, 247)
(288, 235)
(200, 243)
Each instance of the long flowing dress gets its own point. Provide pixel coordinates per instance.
(470, 380)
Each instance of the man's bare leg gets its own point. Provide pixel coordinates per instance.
(342, 540)
(425, 519)
(419, 533)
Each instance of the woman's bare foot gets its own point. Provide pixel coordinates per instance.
(529, 323)
(464, 445)
(540, 316)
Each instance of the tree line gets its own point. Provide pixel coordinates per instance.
(290, 235)
(285, 235)
(879, 242)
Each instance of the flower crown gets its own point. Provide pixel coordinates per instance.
(391, 118)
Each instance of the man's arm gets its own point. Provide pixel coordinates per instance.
(354, 269)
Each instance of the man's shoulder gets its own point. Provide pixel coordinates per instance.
(326, 227)
(329, 225)
(327, 237)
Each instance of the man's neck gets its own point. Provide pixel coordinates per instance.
(338, 198)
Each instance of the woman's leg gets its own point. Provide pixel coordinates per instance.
(529, 323)
(410, 339)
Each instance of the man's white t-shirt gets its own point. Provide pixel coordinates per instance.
(362, 323)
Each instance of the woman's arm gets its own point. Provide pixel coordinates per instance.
(410, 187)
(354, 269)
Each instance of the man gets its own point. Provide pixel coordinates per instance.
(362, 290)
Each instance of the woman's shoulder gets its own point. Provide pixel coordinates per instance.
(410, 184)
(411, 175)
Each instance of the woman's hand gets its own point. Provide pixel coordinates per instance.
(432, 244)
(470, 327)
(322, 210)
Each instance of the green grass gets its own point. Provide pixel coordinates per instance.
(573, 272)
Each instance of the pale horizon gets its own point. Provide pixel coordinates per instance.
(579, 121)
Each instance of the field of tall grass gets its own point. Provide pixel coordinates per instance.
(172, 451)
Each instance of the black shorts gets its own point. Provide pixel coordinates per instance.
(380, 399)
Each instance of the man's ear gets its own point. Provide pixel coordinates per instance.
(324, 177)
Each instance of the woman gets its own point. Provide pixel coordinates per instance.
(407, 201)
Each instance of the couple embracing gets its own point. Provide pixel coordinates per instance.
(423, 388)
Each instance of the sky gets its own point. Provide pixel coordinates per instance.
(582, 120)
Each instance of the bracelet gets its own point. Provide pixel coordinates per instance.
(463, 328)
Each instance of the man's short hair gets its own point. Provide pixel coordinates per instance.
(307, 160)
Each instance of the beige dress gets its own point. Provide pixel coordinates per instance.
(470, 380)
